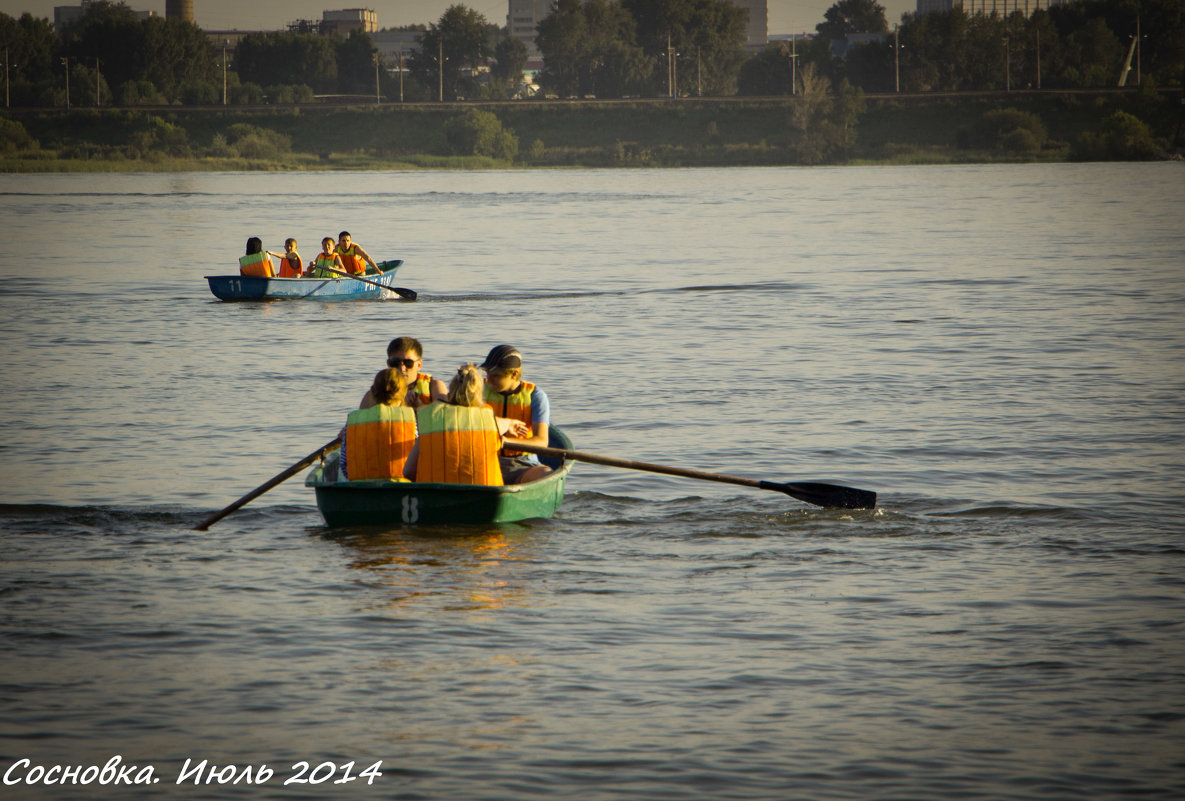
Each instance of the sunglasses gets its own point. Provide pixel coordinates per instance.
(408, 363)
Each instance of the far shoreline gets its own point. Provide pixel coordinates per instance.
(1024, 126)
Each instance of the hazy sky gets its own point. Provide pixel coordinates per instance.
(785, 16)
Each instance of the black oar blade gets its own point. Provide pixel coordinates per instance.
(404, 293)
(832, 496)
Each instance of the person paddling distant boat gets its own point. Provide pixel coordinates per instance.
(353, 256)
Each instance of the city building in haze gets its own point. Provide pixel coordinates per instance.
(65, 15)
(991, 8)
(523, 16)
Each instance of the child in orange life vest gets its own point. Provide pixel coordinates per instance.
(458, 438)
(377, 441)
(290, 263)
(327, 259)
(353, 256)
(523, 406)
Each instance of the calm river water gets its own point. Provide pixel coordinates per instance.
(999, 351)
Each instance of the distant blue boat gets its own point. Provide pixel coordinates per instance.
(250, 287)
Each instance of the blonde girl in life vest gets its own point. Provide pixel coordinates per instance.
(377, 441)
(458, 439)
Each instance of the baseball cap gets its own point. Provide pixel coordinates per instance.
(502, 357)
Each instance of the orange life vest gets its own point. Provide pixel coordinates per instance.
(458, 445)
(290, 265)
(378, 441)
(354, 263)
(257, 264)
(514, 406)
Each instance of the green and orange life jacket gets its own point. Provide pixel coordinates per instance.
(378, 441)
(354, 263)
(458, 445)
(515, 405)
(257, 264)
(423, 388)
(323, 264)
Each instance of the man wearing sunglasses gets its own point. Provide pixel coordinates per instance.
(406, 355)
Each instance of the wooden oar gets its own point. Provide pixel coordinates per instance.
(404, 293)
(267, 485)
(813, 492)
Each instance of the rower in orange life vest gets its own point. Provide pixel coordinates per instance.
(353, 256)
(522, 409)
(458, 441)
(377, 440)
(406, 355)
(326, 260)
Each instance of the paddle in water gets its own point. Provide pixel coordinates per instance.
(403, 293)
(267, 485)
(832, 496)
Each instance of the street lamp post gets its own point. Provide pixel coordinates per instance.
(66, 61)
(400, 76)
(225, 42)
(378, 98)
(440, 66)
(793, 66)
(896, 60)
(1007, 65)
(7, 103)
(98, 77)
(1038, 58)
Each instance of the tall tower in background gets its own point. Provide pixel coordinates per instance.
(179, 9)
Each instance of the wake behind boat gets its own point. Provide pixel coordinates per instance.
(250, 287)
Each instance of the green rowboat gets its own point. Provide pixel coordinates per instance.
(381, 502)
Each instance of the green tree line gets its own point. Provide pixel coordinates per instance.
(601, 48)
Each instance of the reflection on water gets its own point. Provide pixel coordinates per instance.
(445, 569)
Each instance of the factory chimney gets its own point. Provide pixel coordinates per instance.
(179, 9)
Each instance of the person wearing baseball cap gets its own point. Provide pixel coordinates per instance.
(524, 406)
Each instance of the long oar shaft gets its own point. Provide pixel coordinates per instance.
(267, 485)
(628, 464)
(407, 293)
(819, 494)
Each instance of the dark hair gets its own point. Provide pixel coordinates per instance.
(254, 245)
(344, 233)
(405, 344)
(389, 387)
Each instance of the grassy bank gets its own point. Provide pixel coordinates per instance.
(1020, 126)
